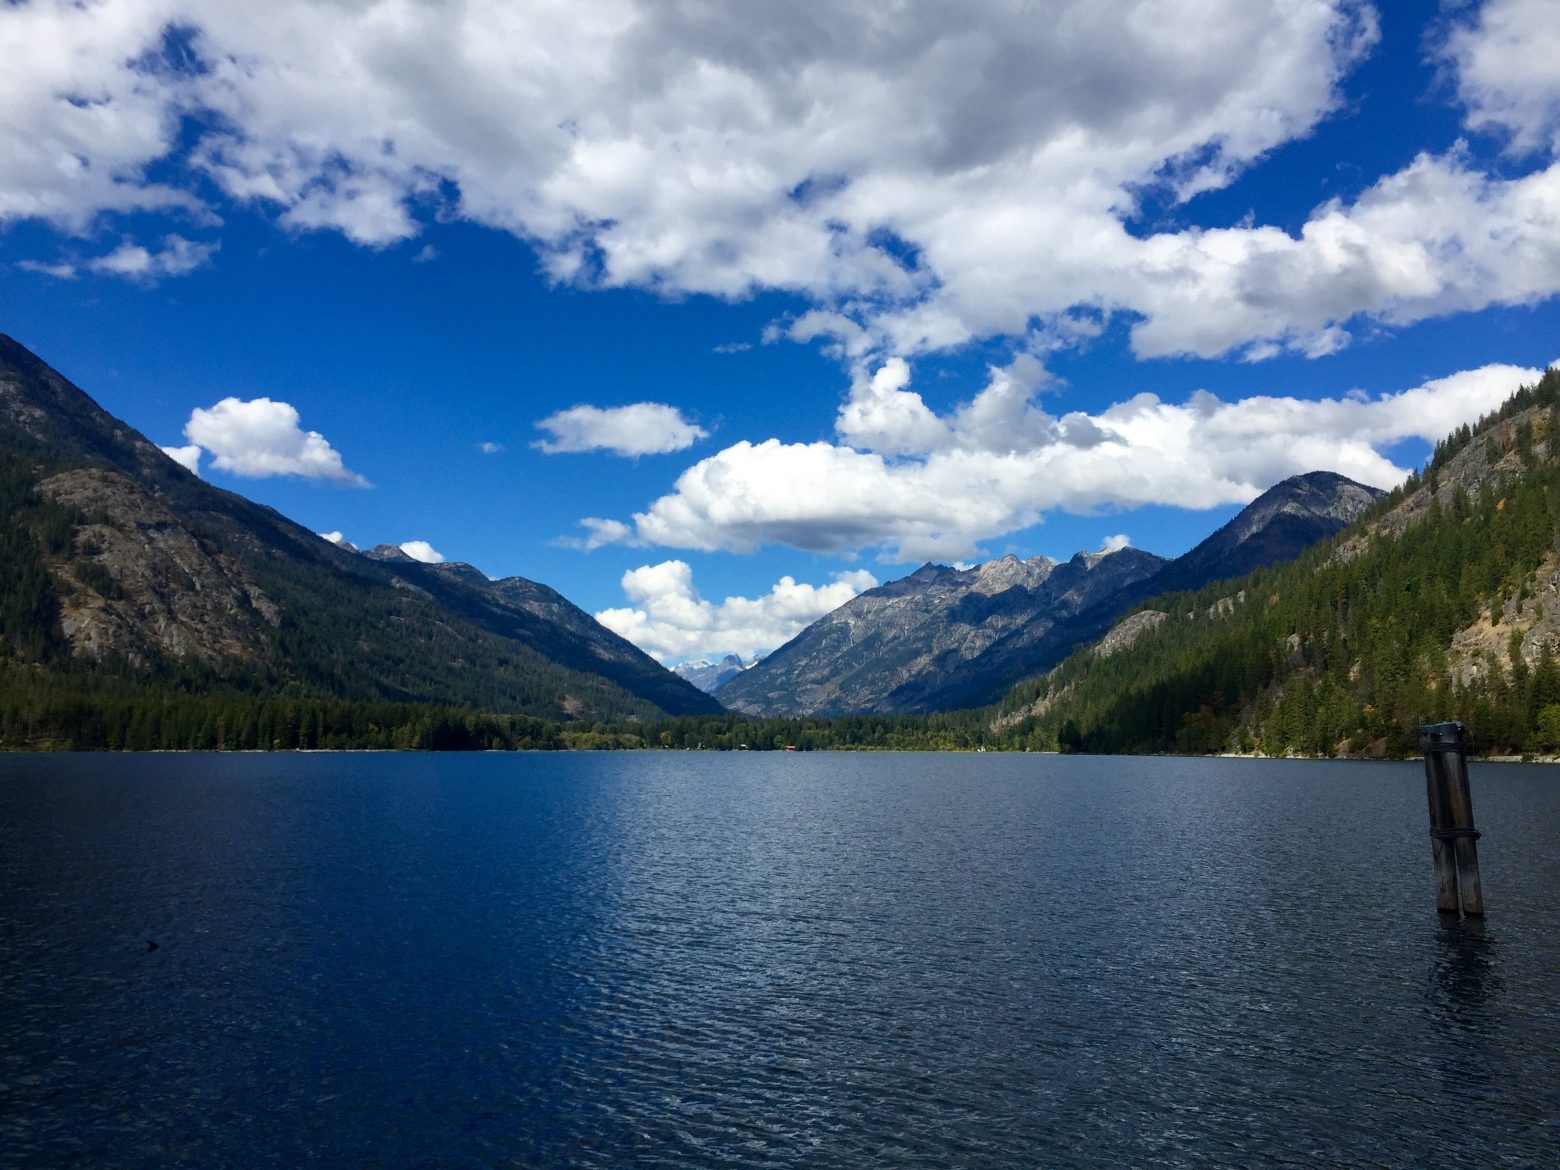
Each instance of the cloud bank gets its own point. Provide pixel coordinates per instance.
(919, 485)
(947, 173)
(667, 619)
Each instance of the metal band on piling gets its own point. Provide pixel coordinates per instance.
(1455, 834)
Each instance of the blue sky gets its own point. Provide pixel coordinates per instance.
(842, 292)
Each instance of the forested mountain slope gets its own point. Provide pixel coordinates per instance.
(119, 569)
(1442, 602)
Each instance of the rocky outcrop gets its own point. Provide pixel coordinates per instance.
(1527, 622)
(1487, 459)
(141, 584)
(1128, 631)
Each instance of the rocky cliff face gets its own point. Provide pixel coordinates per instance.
(944, 638)
(146, 564)
(140, 584)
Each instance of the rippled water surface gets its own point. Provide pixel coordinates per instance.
(810, 960)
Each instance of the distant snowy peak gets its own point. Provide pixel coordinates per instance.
(707, 675)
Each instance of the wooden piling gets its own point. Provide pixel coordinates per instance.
(1452, 835)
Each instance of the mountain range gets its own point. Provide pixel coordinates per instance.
(1323, 619)
(944, 638)
(119, 560)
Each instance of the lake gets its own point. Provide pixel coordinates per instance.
(788, 959)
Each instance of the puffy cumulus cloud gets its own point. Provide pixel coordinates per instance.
(261, 437)
(1115, 543)
(999, 463)
(421, 550)
(489, 447)
(803, 136)
(883, 415)
(1505, 60)
(186, 457)
(334, 537)
(641, 428)
(668, 619)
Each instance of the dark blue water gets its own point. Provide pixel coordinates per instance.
(800, 960)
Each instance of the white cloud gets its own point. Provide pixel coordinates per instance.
(1115, 543)
(333, 537)
(133, 262)
(668, 619)
(81, 118)
(1435, 238)
(642, 428)
(884, 416)
(949, 173)
(130, 261)
(260, 438)
(62, 270)
(973, 480)
(1506, 73)
(421, 550)
(599, 533)
(490, 448)
(186, 457)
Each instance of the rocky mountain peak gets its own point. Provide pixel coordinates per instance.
(389, 553)
(1009, 572)
(463, 571)
(1277, 526)
(1320, 495)
(929, 640)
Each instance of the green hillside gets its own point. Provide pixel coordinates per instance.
(1439, 603)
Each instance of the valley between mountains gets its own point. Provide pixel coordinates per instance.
(143, 607)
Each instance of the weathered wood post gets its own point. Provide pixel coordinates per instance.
(1452, 835)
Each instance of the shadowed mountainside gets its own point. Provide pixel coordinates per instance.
(122, 561)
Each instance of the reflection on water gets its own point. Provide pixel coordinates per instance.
(676, 960)
(1466, 974)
